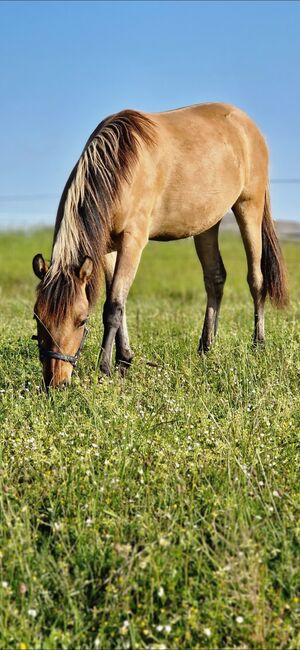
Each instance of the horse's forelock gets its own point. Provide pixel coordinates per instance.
(55, 298)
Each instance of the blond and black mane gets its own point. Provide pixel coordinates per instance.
(83, 222)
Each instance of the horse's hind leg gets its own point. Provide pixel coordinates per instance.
(249, 215)
(124, 354)
(214, 279)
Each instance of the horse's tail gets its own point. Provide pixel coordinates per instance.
(272, 262)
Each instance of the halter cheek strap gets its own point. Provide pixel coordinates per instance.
(50, 354)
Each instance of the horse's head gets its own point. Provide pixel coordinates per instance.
(61, 312)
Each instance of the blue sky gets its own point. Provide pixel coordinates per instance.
(65, 65)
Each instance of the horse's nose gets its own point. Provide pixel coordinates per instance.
(56, 374)
(60, 383)
(64, 384)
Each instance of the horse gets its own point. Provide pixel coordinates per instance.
(154, 176)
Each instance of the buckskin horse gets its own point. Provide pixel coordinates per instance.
(159, 176)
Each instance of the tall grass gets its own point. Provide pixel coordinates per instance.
(161, 511)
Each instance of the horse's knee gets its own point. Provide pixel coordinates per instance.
(112, 314)
(220, 281)
(214, 283)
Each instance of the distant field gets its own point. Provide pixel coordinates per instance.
(287, 230)
(161, 512)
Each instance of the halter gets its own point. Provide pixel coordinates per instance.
(50, 354)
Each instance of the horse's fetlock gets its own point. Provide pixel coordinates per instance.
(125, 356)
(221, 277)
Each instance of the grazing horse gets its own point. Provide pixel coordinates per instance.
(160, 176)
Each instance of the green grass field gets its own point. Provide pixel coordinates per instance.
(161, 512)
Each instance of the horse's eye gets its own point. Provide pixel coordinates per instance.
(82, 323)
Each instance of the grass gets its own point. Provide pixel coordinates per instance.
(163, 511)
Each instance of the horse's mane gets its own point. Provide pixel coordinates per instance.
(83, 222)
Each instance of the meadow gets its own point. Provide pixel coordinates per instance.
(161, 511)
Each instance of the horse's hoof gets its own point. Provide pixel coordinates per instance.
(203, 348)
(123, 365)
(259, 344)
(104, 371)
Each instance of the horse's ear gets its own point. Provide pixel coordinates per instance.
(40, 267)
(86, 270)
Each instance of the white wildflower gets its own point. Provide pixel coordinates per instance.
(124, 629)
(32, 613)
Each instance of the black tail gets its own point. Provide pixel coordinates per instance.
(272, 262)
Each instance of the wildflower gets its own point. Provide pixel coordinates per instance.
(164, 542)
(207, 631)
(161, 592)
(123, 549)
(23, 646)
(22, 588)
(168, 629)
(97, 643)
(124, 629)
(239, 619)
(4, 584)
(32, 613)
(88, 522)
(276, 494)
(159, 628)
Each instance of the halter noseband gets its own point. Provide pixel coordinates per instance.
(50, 354)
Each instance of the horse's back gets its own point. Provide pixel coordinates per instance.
(211, 122)
(205, 156)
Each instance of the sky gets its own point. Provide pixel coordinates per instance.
(66, 65)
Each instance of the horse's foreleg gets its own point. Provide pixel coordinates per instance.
(124, 354)
(214, 278)
(249, 214)
(128, 259)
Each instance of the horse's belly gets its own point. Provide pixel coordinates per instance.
(186, 216)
